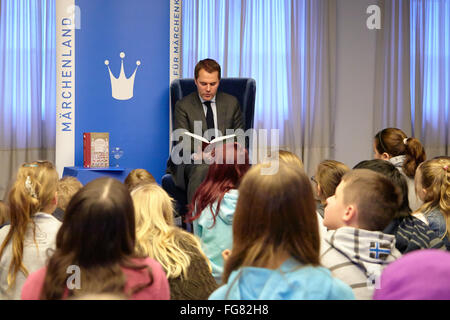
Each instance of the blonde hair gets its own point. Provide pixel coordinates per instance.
(4, 213)
(290, 158)
(33, 190)
(328, 176)
(435, 179)
(137, 177)
(156, 234)
(66, 188)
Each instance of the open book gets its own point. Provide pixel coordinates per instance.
(205, 141)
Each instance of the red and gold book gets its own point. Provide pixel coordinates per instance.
(96, 149)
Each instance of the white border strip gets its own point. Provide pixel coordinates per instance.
(175, 49)
(65, 84)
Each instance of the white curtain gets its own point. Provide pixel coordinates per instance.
(27, 84)
(413, 72)
(288, 47)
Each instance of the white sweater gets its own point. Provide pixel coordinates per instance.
(34, 257)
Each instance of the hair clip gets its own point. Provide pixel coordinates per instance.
(30, 165)
(29, 187)
(405, 141)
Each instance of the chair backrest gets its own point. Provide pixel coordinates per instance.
(244, 89)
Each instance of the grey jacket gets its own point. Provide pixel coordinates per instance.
(357, 257)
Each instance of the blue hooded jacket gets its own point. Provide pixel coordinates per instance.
(215, 239)
(292, 281)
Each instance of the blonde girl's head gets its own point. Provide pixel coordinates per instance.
(275, 216)
(328, 176)
(290, 157)
(433, 186)
(137, 177)
(156, 234)
(34, 190)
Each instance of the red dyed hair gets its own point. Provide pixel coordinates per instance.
(230, 164)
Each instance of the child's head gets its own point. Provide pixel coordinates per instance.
(99, 219)
(290, 157)
(390, 171)
(365, 200)
(393, 142)
(33, 191)
(97, 235)
(275, 214)
(328, 176)
(137, 177)
(156, 234)
(67, 187)
(433, 185)
(418, 275)
(230, 164)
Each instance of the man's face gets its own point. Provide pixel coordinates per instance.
(335, 209)
(207, 84)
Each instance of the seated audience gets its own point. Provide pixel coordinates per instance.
(66, 188)
(32, 229)
(276, 245)
(214, 202)
(433, 188)
(410, 232)
(138, 176)
(419, 275)
(179, 252)
(356, 250)
(393, 145)
(98, 238)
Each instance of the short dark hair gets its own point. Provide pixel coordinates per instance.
(376, 197)
(387, 169)
(209, 65)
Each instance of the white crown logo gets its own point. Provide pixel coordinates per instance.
(121, 87)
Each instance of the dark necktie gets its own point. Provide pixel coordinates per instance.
(209, 115)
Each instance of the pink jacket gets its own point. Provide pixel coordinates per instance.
(158, 290)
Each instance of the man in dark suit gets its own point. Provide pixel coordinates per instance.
(217, 112)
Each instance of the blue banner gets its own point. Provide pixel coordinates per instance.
(122, 79)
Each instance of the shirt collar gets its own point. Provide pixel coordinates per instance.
(203, 100)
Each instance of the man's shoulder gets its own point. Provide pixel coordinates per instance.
(191, 98)
(220, 95)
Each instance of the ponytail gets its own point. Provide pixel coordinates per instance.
(415, 155)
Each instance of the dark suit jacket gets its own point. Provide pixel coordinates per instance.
(190, 109)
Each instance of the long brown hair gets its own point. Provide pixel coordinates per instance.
(33, 190)
(392, 141)
(274, 213)
(98, 236)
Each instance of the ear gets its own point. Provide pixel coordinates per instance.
(350, 215)
(385, 156)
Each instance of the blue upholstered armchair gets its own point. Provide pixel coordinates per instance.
(244, 89)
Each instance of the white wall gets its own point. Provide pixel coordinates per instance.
(355, 68)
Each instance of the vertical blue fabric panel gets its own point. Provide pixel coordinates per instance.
(140, 125)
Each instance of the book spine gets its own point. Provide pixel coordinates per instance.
(87, 150)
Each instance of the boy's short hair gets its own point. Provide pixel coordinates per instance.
(66, 189)
(375, 196)
(392, 173)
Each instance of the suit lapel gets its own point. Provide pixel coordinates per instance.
(198, 113)
(221, 113)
